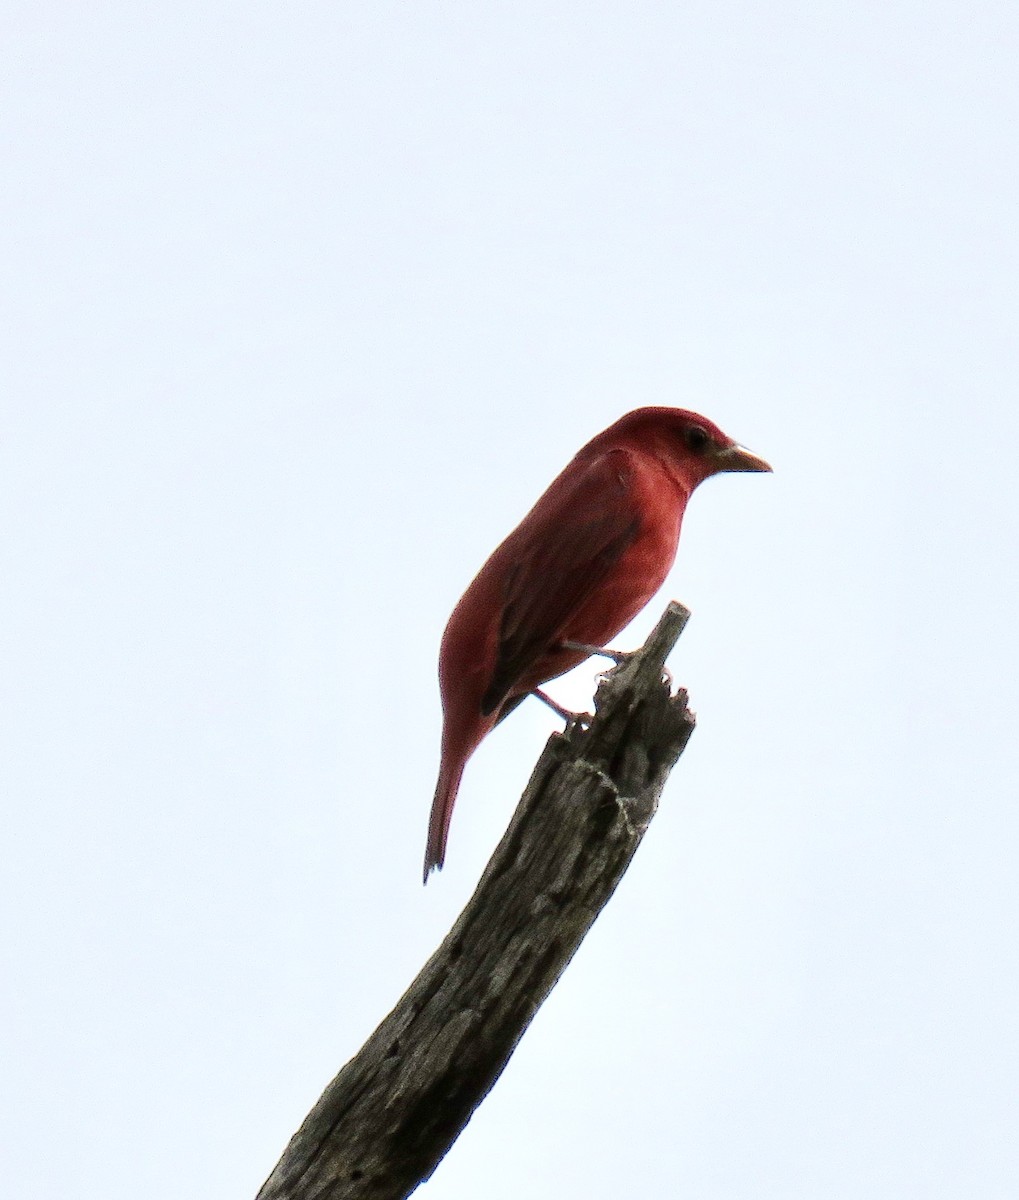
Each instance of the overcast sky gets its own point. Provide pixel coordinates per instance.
(303, 306)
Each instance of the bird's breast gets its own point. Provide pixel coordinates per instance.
(658, 504)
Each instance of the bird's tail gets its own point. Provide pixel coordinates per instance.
(442, 809)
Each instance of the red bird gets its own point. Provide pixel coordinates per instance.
(577, 569)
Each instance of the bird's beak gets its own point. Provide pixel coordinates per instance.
(739, 458)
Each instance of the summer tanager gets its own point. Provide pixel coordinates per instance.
(577, 569)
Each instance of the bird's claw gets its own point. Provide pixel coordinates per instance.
(578, 721)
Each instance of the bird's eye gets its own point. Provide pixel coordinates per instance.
(697, 439)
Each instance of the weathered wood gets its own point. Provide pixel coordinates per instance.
(387, 1119)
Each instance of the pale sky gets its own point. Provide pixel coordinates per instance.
(303, 306)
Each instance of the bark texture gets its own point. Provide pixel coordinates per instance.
(386, 1120)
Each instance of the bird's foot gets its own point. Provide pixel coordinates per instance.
(617, 656)
(571, 718)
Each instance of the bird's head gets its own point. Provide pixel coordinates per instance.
(691, 446)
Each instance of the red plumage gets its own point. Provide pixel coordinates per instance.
(578, 568)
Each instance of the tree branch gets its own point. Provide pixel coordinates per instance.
(385, 1122)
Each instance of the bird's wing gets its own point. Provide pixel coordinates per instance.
(569, 545)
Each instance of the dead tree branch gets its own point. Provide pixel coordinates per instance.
(389, 1116)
